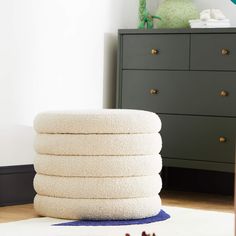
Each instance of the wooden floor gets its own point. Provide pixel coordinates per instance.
(14, 213)
(179, 199)
(202, 201)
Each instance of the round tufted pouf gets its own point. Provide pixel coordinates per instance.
(101, 164)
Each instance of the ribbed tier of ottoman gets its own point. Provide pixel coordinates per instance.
(102, 164)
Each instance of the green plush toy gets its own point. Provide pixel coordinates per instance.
(176, 13)
(145, 18)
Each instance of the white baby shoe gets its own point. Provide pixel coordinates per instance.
(205, 15)
(217, 14)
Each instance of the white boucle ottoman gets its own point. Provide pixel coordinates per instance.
(101, 164)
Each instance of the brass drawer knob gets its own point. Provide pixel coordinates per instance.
(225, 52)
(224, 93)
(222, 139)
(154, 52)
(154, 91)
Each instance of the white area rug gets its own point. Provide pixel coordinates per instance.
(183, 222)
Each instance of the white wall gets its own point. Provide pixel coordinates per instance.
(16, 145)
(52, 57)
(60, 54)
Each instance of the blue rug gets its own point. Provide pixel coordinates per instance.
(159, 217)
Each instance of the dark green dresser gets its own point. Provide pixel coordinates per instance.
(187, 77)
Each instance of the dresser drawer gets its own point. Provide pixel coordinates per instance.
(213, 52)
(156, 51)
(198, 138)
(180, 92)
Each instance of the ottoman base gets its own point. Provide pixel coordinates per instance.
(99, 209)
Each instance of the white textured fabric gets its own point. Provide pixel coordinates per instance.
(74, 209)
(98, 166)
(98, 121)
(90, 188)
(98, 144)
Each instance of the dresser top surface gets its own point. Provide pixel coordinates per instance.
(179, 31)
